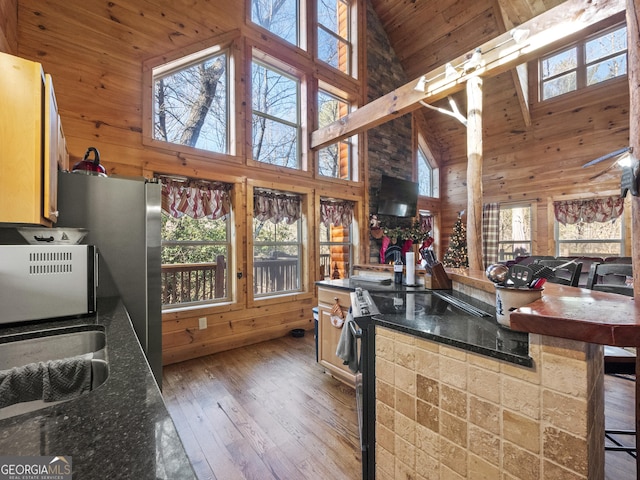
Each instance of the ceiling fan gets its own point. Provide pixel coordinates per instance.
(624, 161)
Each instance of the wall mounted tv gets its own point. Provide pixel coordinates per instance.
(397, 197)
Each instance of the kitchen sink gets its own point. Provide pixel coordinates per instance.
(17, 351)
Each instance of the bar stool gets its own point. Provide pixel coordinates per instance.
(612, 278)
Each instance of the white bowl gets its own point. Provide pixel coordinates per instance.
(53, 236)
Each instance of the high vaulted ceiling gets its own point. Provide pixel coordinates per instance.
(426, 34)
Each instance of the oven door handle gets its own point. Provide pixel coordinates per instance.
(355, 332)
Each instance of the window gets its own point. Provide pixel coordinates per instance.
(280, 17)
(587, 63)
(425, 175)
(590, 239)
(277, 243)
(591, 227)
(334, 161)
(336, 217)
(190, 104)
(276, 116)
(334, 34)
(195, 242)
(514, 238)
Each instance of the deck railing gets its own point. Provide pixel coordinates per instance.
(199, 282)
(194, 282)
(275, 275)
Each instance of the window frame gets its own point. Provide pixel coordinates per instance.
(622, 240)
(350, 242)
(511, 206)
(186, 56)
(421, 147)
(347, 41)
(301, 24)
(170, 307)
(350, 142)
(581, 67)
(304, 291)
(281, 67)
(298, 244)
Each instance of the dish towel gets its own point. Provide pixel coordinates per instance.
(50, 381)
(21, 384)
(67, 378)
(347, 348)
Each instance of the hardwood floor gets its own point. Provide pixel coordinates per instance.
(268, 411)
(619, 414)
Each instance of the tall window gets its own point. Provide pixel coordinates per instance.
(276, 116)
(280, 17)
(334, 34)
(190, 104)
(592, 227)
(277, 243)
(195, 242)
(595, 60)
(334, 161)
(514, 232)
(425, 176)
(336, 217)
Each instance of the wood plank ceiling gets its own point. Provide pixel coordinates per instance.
(426, 34)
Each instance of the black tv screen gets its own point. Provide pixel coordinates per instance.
(397, 197)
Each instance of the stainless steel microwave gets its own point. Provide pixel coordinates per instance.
(47, 281)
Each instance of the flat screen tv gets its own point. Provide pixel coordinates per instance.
(397, 197)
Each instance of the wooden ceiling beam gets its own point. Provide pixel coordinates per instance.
(547, 32)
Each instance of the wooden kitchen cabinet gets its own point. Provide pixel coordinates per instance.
(328, 335)
(29, 143)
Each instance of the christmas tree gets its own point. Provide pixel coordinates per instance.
(456, 255)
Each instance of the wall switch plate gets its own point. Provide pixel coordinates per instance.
(203, 322)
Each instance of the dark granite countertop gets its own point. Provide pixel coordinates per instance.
(436, 321)
(121, 429)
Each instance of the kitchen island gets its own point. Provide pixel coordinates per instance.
(121, 429)
(448, 409)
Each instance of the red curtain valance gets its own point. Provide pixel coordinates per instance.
(276, 207)
(195, 198)
(588, 211)
(336, 212)
(426, 222)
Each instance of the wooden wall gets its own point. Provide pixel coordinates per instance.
(540, 163)
(537, 161)
(9, 26)
(95, 51)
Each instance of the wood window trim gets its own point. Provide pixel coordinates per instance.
(613, 84)
(227, 41)
(255, 52)
(306, 291)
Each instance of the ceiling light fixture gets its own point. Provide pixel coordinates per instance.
(474, 62)
(422, 84)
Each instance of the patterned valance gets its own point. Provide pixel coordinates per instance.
(588, 211)
(338, 213)
(276, 207)
(195, 198)
(426, 222)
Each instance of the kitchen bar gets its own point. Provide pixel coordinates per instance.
(453, 407)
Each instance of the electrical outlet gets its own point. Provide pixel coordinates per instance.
(203, 322)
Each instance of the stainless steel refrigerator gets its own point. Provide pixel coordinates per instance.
(123, 218)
